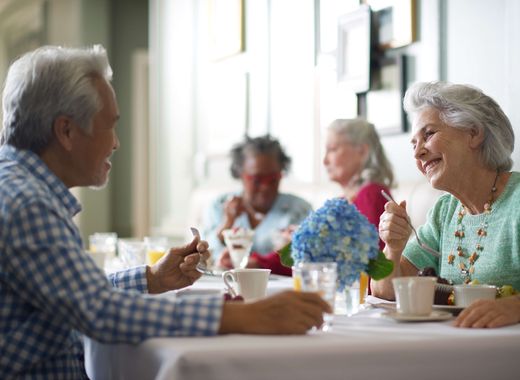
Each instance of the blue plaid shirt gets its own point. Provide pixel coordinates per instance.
(51, 291)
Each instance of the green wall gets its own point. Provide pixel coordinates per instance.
(129, 32)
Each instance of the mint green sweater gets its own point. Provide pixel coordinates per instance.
(499, 261)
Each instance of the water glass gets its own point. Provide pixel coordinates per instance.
(105, 242)
(321, 278)
(132, 252)
(156, 247)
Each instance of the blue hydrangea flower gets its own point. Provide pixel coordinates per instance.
(337, 232)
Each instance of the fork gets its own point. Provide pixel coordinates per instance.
(431, 251)
(200, 267)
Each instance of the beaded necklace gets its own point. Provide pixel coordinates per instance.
(466, 260)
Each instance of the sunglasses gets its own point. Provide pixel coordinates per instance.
(262, 179)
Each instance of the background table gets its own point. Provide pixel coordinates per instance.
(365, 346)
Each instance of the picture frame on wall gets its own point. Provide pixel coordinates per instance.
(384, 103)
(394, 22)
(353, 52)
(226, 27)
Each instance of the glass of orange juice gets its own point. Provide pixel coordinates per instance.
(156, 247)
(297, 278)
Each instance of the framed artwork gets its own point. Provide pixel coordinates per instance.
(384, 103)
(353, 53)
(394, 22)
(226, 26)
(326, 14)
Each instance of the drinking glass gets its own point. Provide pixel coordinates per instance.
(356, 294)
(239, 242)
(156, 247)
(132, 252)
(103, 242)
(321, 278)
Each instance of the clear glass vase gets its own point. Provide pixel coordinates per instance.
(352, 298)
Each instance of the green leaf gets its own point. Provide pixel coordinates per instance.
(380, 267)
(285, 256)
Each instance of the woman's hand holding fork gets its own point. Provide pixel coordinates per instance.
(394, 229)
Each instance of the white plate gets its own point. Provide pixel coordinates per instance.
(455, 310)
(434, 316)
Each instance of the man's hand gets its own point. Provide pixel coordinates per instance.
(177, 268)
(283, 313)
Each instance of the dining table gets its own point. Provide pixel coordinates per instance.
(370, 344)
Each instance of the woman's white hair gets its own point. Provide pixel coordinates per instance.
(358, 131)
(466, 107)
(46, 83)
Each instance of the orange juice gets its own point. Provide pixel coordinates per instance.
(297, 283)
(153, 256)
(363, 287)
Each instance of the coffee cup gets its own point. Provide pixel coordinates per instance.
(465, 295)
(414, 295)
(248, 283)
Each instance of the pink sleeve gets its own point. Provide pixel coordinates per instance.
(371, 203)
(272, 261)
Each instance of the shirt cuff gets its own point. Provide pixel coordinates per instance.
(130, 279)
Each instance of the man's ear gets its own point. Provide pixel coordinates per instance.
(64, 130)
(476, 137)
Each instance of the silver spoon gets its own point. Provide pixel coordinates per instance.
(421, 244)
(201, 267)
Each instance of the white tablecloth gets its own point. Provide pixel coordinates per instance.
(365, 346)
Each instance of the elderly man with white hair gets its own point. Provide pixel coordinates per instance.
(59, 131)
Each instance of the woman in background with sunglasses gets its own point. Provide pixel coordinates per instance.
(259, 164)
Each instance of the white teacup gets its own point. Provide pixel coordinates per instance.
(248, 283)
(414, 295)
(465, 295)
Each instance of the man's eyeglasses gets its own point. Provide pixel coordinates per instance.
(262, 179)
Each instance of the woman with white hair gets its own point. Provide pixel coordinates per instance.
(356, 160)
(462, 143)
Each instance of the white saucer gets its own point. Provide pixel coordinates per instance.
(197, 292)
(434, 316)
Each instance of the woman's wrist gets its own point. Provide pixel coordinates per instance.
(394, 255)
